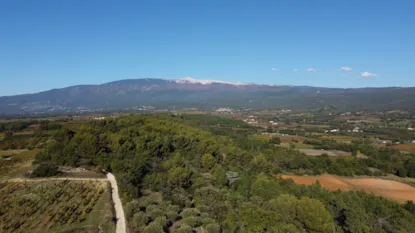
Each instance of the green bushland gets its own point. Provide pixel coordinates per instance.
(221, 180)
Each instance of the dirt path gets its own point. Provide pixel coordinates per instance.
(119, 211)
(387, 188)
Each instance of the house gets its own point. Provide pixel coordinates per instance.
(334, 130)
(411, 129)
(356, 130)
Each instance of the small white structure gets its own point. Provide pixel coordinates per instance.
(411, 129)
(223, 110)
(98, 118)
(334, 130)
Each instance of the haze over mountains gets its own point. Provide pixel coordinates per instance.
(176, 93)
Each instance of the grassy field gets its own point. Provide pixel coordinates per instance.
(404, 147)
(56, 206)
(17, 164)
(340, 138)
(7, 153)
(296, 139)
(296, 145)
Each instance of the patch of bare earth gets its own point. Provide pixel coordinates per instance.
(387, 188)
(315, 152)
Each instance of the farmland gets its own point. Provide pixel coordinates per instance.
(55, 206)
(410, 147)
(387, 188)
(18, 163)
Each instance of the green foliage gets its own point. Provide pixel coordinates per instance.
(140, 220)
(184, 229)
(213, 228)
(153, 227)
(210, 177)
(275, 140)
(44, 170)
(208, 161)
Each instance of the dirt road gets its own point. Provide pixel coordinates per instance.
(119, 211)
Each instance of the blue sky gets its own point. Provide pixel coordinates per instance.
(51, 44)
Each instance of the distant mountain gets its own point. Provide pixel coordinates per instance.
(188, 92)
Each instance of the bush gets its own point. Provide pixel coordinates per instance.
(185, 229)
(155, 213)
(213, 228)
(189, 212)
(153, 227)
(162, 221)
(192, 221)
(131, 208)
(140, 220)
(44, 170)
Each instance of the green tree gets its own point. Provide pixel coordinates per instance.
(208, 161)
(275, 140)
(402, 172)
(314, 216)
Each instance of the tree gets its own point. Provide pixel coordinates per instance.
(402, 172)
(275, 140)
(220, 175)
(213, 228)
(314, 216)
(44, 170)
(208, 161)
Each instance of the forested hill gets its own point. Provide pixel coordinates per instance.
(175, 177)
(160, 93)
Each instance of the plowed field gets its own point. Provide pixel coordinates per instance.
(387, 188)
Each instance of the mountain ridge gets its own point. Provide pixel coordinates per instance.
(189, 92)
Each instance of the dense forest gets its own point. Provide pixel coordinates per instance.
(221, 180)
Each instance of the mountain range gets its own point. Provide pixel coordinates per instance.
(206, 94)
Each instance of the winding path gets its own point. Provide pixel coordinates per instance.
(119, 211)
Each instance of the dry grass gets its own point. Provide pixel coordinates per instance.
(11, 152)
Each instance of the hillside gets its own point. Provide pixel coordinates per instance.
(161, 93)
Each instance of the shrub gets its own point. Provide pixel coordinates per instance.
(140, 220)
(185, 229)
(189, 212)
(131, 208)
(213, 228)
(192, 221)
(44, 170)
(162, 221)
(153, 227)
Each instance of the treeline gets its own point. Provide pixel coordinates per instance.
(14, 126)
(384, 159)
(216, 183)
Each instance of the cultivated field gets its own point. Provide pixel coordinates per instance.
(55, 206)
(404, 147)
(387, 188)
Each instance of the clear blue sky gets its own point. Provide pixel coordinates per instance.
(50, 44)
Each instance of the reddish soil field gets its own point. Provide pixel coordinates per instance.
(404, 147)
(387, 188)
